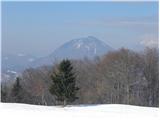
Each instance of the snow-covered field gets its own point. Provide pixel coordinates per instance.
(9, 111)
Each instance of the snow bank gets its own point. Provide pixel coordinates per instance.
(90, 112)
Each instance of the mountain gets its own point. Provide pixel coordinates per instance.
(13, 63)
(80, 48)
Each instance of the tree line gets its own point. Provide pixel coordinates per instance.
(119, 77)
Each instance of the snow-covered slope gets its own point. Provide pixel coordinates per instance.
(82, 112)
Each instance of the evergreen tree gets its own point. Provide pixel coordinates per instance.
(17, 91)
(64, 83)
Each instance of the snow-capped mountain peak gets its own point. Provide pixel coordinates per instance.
(82, 47)
(89, 44)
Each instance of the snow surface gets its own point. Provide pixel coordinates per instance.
(86, 46)
(30, 59)
(11, 71)
(21, 54)
(89, 112)
(95, 50)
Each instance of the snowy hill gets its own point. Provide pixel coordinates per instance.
(80, 48)
(82, 112)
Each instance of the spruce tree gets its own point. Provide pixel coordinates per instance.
(17, 91)
(64, 83)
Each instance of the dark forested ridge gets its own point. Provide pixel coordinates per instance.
(119, 77)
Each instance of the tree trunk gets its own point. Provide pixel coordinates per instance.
(43, 100)
(128, 95)
(64, 103)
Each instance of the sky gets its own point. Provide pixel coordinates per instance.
(38, 28)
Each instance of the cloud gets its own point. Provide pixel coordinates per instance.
(150, 40)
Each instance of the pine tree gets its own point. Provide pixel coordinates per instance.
(17, 91)
(64, 83)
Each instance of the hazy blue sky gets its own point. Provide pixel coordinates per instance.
(38, 28)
